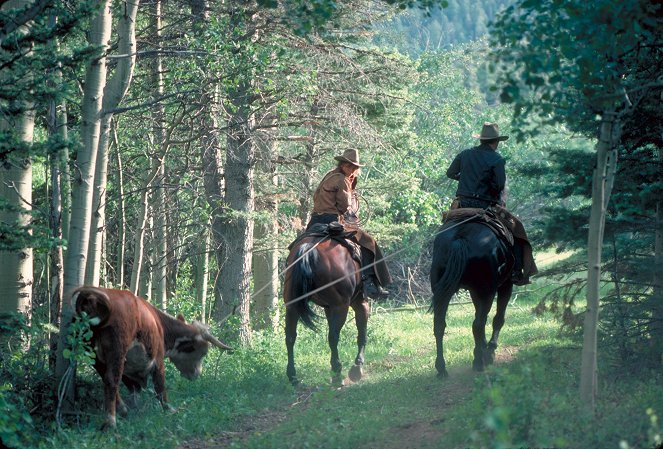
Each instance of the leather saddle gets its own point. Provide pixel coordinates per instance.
(334, 231)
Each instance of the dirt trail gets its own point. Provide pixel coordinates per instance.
(453, 391)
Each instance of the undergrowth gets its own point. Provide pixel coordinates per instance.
(528, 399)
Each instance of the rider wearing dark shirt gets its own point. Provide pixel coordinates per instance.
(481, 181)
(480, 174)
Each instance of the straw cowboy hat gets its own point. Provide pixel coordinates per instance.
(490, 131)
(351, 156)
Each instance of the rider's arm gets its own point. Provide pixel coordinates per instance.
(453, 171)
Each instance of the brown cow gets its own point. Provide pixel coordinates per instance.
(131, 340)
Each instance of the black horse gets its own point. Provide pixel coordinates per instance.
(470, 255)
(324, 272)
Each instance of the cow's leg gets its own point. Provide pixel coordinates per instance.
(503, 297)
(121, 407)
(361, 309)
(159, 379)
(291, 319)
(482, 303)
(336, 317)
(111, 378)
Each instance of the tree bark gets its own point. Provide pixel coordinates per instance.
(656, 327)
(79, 233)
(603, 179)
(57, 125)
(237, 232)
(159, 272)
(266, 258)
(16, 276)
(202, 274)
(114, 92)
(121, 241)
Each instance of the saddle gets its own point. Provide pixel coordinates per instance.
(500, 222)
(334, 231)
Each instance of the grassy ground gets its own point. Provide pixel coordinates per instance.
(528, 398)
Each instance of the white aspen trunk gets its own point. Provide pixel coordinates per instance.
(57, 124)
(159, 272)
(79, 231)
(202, 274)
(603, 180)
(114, 92)
(139, 240)
(16, 277)
(145, 285)
(121, 241)
(16, 269)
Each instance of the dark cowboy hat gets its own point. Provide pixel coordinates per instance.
(490, 131)
(351, 156)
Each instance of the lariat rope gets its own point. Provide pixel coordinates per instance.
(306, 295)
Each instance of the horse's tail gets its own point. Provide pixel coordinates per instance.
(301, 283)
(454, 267)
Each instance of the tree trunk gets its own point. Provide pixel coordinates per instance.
(139, 238)
(202, 274)
(57, 124)
(237, 234)
(309, 163)
(212, 162)
(159, 272)
(603, 179)
(656, 327)
(79, 233)
(114, 92)
(266, 257)
(121, 241)
(16, 275)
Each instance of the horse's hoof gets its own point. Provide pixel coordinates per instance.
(443, 374)
(355, 373)
(337, 380)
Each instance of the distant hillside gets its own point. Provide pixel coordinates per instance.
(413, 31)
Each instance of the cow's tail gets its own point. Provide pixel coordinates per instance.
(449, 282)
(93, 301)
(301, 283)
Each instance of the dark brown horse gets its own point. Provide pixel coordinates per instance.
(469, 255)
(323, 271)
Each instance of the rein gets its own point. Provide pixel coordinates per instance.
(306, 295)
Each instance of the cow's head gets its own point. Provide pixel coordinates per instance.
(188, 352)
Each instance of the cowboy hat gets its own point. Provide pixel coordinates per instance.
(351, 156)
(490, 131)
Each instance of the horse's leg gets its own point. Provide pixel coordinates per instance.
(439, 326)
(336, 317)
(291, 319)
(503, 297)
(482, 303)
(361, 319)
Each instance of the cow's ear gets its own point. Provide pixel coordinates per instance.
(181, 317)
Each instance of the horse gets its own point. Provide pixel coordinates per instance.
(324, 271)
(470, 255)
